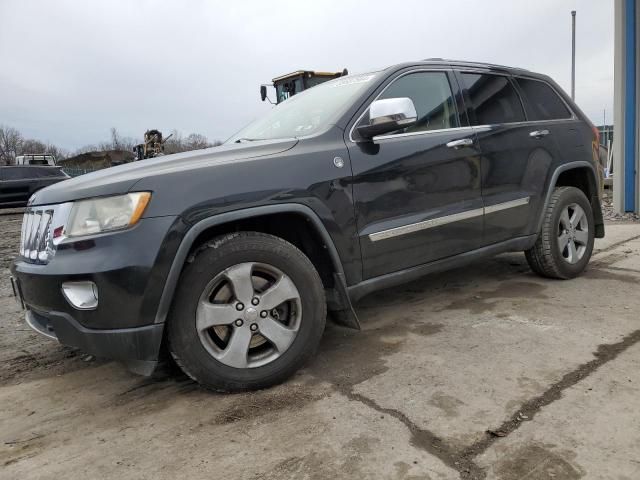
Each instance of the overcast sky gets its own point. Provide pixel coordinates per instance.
(70, 70)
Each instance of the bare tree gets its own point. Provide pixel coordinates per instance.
(196, 141)
(117, 142)
(115, 139)
(10, 144)
(30, 145)
(174, 144)
(193, 141)
(57, 152)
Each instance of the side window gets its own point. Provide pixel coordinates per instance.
(46, 172)
(13, 173)
(493, 98)
(432, 97)
(541, 101)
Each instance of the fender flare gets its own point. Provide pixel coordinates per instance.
(187, 242)
(554, 180)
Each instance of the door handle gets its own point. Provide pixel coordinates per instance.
(464, 142)
(539, 133)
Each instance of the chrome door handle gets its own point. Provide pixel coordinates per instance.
(464, 142)
(539, 133)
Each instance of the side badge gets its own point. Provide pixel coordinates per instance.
(338, 162)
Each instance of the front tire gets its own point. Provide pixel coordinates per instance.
(249, 311)
(565, 241)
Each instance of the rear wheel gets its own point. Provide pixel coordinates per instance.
(565, 241)
(249, 311)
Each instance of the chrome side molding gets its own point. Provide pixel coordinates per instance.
(503, 206)
(436, 222)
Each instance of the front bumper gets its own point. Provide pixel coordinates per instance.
(136, 347)
(129, 269)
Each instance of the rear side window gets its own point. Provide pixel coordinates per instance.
(17, 173)
(541, 101)
(432, 97)
(23, 173)
(47, 172)
(493, 98)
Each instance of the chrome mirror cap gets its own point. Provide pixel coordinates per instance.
(388, 115)
(399, 110)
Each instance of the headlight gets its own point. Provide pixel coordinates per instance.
(105, 214)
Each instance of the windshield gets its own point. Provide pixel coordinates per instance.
(307, 112)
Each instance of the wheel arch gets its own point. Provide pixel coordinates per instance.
(203, 230)
(582, 175)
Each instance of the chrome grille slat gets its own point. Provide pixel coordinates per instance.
(43, 253)
(36, 239)
(35, 233)
(27, 232)
(24, 224)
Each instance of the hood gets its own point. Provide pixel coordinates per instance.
(121, 179)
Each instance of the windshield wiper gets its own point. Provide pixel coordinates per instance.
(242, 140)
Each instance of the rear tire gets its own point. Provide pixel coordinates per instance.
(227, 342)
(565, 241)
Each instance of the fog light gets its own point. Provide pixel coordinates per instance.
(81, 295)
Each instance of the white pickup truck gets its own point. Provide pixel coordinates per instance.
(36, 159)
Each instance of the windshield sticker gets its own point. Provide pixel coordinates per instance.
(351, 80)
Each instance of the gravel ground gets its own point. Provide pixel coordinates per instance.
(10, 224)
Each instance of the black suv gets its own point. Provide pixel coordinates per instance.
(18, 183)
(230, 257)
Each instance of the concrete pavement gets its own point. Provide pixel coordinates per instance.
(550, 368)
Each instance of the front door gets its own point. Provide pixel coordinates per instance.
(417, 192)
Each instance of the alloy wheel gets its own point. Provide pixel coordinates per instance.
(248, 315)
(573, 233)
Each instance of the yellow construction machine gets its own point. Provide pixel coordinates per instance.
(296, 82)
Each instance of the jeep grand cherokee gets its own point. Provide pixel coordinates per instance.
(230, 257)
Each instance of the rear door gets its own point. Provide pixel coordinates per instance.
(417, 195)
(515, 159)
(547, 112)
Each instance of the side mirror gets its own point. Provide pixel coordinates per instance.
(389, 115)
(263, 92)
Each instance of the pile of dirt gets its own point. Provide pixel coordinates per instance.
(611, 215)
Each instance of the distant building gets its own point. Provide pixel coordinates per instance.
(606, 134)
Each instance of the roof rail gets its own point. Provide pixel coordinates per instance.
(466, 62)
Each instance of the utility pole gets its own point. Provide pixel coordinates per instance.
(573, 55)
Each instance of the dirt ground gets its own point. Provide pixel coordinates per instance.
(483, 372)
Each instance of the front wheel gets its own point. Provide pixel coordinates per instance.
(565, 241)
(249, 311)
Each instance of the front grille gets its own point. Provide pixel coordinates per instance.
(36, 243)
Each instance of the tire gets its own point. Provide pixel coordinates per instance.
(548, 257)
(225, 356)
